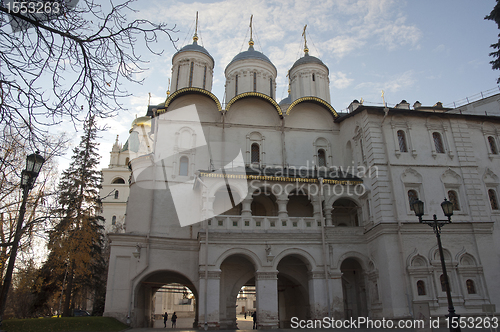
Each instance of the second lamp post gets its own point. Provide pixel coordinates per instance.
(453, 320)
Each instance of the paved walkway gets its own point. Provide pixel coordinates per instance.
(186, 325)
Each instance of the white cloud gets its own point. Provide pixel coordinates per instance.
(340, 80)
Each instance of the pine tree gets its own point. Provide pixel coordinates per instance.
(76, 241)
(495, 16)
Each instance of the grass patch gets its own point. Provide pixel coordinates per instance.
(65, 324)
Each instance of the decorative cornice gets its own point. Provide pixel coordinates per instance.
(258, 95)
(315, 100)
(184, 91)
(276, 178)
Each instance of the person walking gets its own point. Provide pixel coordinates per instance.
(165, 318)
(174, 320)
(254, 315)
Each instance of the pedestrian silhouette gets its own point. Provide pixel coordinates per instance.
(165, 318)
(174, 320)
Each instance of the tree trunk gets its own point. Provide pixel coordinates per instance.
(69, 291)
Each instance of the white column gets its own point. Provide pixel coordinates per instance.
(328, 215)
(266, 284)
(213, 295)
(246, 209)
(317, 295)
(282, 201)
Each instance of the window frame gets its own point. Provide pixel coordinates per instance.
(403, 145)
(437, 137)
(456, 203)
(252, 161)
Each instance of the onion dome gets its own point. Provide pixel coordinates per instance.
(286, 101)
(192, 66)
(308, 59)
(250, 71)
(141, 121)
(309, 78)
(194, 47)
(251, 53)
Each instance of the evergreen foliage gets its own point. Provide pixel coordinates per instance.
(76, 263)
(495, 16)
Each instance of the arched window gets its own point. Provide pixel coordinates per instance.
(412, 196)
(421, 287)
(402, 141)
(271, 87)
(471, 288)
(118, 181)
(117, 193)
(113, 220)
(453, 197)
(321, 157)
(493, 199)
(443, 285)
(184, 166)
(438, 142)
(255, 153)
(191, 74)
(254, 82)
(127, 160)
(314, 78)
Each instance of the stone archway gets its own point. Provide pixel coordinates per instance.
(353, 289)
(293, 290)
(145, 300)
(236, 271)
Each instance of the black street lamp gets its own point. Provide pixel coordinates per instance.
(34, 163)
(447, 206)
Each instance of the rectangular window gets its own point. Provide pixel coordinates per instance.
(236, 85)
(255, 153)
(177, 81)
(402, 141)
(453, 198)
(205, 77)
(191, 74)
(438, 142)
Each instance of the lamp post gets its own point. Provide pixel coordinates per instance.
(447, 206)
(34, 163)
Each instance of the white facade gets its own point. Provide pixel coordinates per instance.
(115, 189)
(353, 249)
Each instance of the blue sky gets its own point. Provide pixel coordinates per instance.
(423, 50)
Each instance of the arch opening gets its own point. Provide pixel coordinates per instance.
(353, 289)
(237, 272)
(264, 204)
(345, 213)
(166, 291)
(293, 290)
(299, 205)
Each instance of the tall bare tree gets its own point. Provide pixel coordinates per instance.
(57, 62)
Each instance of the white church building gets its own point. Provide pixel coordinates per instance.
(309, 207)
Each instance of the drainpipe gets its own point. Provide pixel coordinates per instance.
(325, 259)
